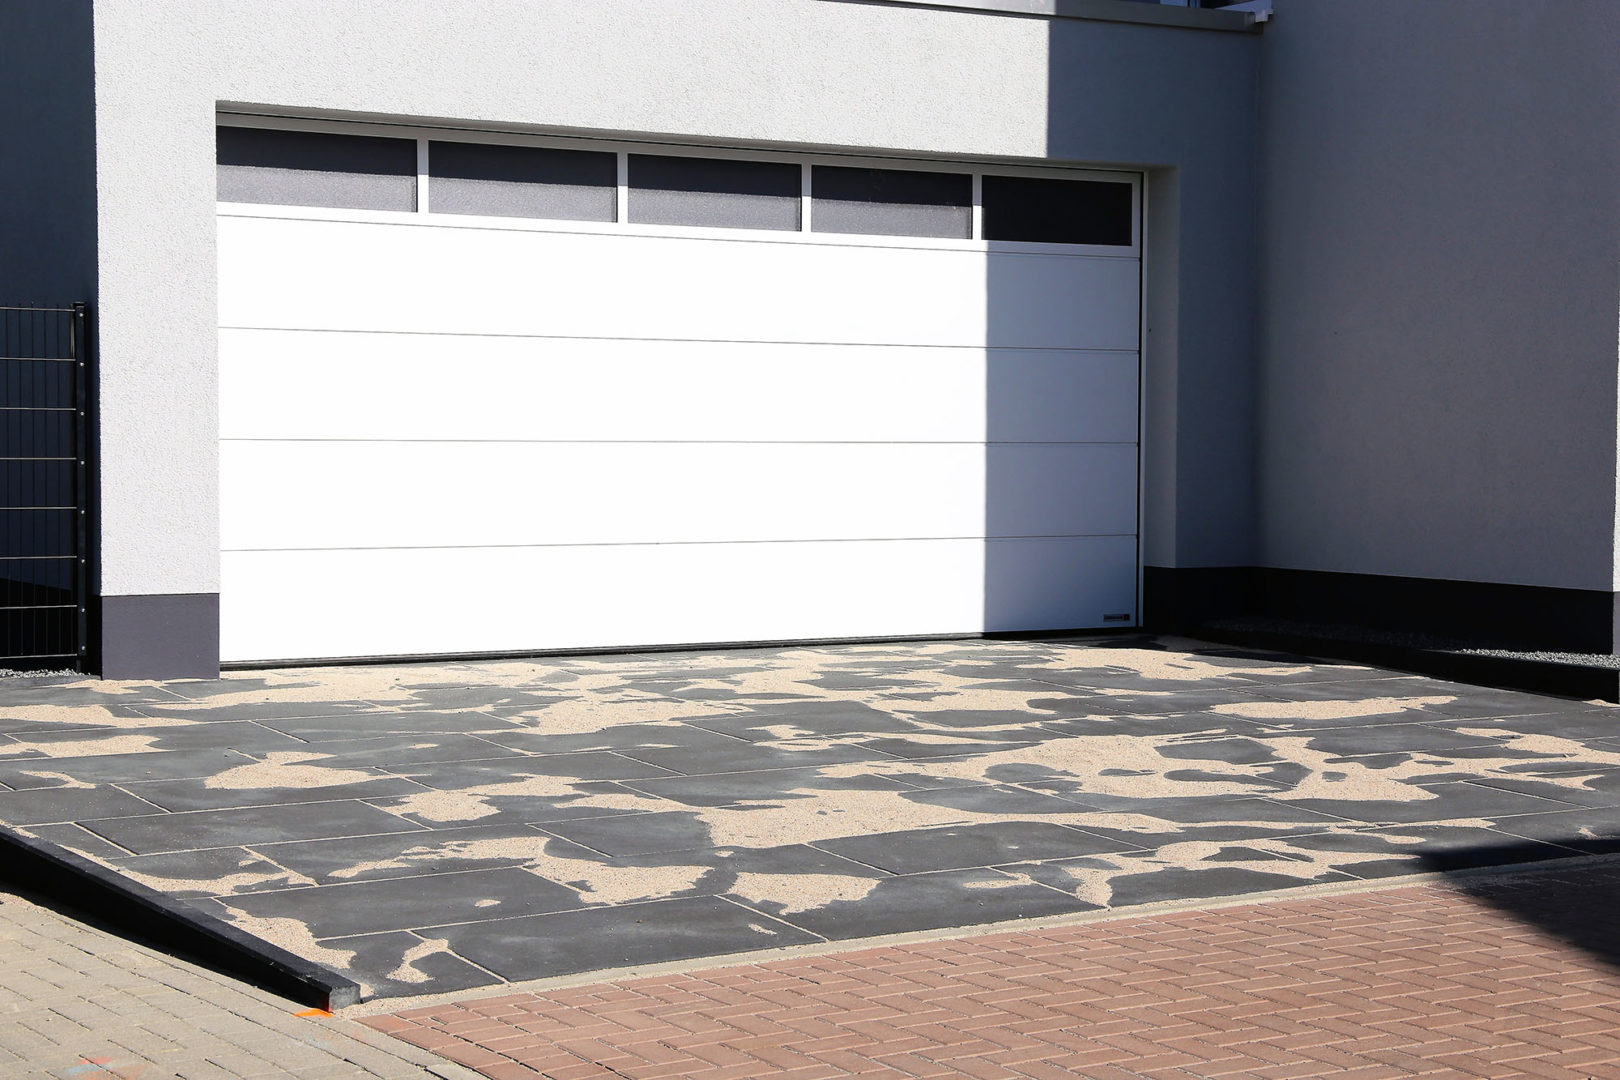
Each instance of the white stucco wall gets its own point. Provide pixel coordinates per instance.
(1441, 268)
(810, 73)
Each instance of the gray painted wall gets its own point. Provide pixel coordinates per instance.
(1147, 95)
(47, 152)
(809, 73)
(1441, 281)
(796, 73)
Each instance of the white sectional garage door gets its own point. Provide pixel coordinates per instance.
(479, 432)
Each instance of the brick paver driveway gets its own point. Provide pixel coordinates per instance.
(431, 828)
(1508, 976)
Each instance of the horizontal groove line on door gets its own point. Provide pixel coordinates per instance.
(674, 442)
(673, 340)
(685, 543)
(782, 238)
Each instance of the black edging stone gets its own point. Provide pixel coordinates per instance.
(1504, 672)
(71, 879)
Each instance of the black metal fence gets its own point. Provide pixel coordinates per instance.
(43, 487)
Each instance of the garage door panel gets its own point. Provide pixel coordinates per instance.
(1037, 301)
(436, 279)
(1054, 584)
(430, 279)
(341, 495)
(1058, 490)
(1059, 395)
(448, 435)
(321, 385)
(293, 605)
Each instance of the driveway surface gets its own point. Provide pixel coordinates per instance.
(426, 829)
(1498, 975)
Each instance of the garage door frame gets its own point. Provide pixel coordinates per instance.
(805, 158)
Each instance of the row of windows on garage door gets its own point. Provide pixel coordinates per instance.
(301, 168)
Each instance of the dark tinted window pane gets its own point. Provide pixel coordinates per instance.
(704, 191)
(891, 202)
(522, 181)
(303, 168)
(1057, 211)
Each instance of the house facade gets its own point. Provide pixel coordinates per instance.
(483, 327)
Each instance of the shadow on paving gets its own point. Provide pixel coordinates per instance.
(431, 828)
(1575, 906)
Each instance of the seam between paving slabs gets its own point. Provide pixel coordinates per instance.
(378, 1006)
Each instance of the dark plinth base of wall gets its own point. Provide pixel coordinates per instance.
(1414, 624)
(1539, 676)
(1499, 616)
(160, 637)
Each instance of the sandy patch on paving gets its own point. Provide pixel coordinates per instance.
(1129, 766)
(475, 802)
(774, 684)
(90, 716)
(1153, 664)
(595, 882)
(810, 815)
(100, 746)
(62, 779)
(321, 685)
(1327, 710)
(407, 971)
(294, 936)
(105, 687)
(1093, 880)
(802, 892)
(287, 769)
(270, 875)
(589, 714)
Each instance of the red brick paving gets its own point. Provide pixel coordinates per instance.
(1499, 977)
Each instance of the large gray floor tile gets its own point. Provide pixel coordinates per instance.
(399, 963)
(635, 834)
(541, 946)
(407, 903)
(390, 855)
(931, 901)
(245, 826)
(1410, 849)
(42, 806)
(220, 792)
(959, 847)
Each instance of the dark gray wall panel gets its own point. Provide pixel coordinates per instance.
(47, 152)
(160, 637)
